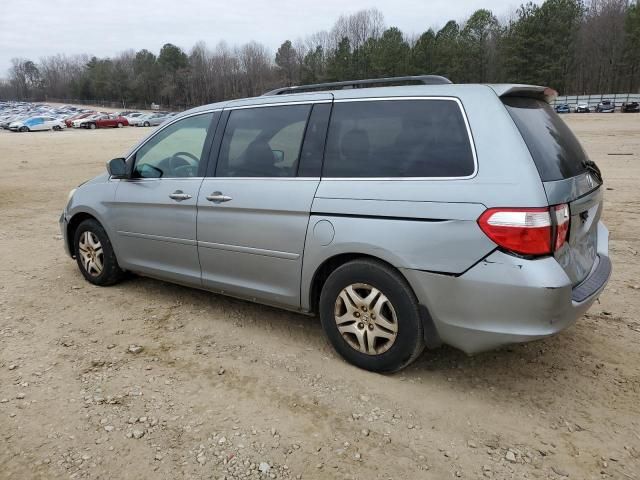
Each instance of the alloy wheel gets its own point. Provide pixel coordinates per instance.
(366, 319)
(91, 253)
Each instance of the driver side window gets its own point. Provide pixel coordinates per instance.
(175, 151)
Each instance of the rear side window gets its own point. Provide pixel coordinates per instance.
(398, 138)
(553, 146)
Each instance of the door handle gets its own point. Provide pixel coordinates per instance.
(179, 196)
(218, 197)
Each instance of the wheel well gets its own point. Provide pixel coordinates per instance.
(431, 335)
(76, 220)
(327, 267)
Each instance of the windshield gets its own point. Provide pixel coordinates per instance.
(553, 146)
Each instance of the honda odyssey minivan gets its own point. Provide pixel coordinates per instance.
(404, 212)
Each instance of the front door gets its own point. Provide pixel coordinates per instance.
(155, 210)
(253, 211)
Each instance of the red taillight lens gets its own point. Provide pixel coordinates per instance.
(527, 231)
(562, 218)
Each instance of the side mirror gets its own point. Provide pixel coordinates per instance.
(117, 168)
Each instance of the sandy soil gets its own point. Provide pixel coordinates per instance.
(228, 389)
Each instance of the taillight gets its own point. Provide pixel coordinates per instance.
(562, 220)
(527, 231)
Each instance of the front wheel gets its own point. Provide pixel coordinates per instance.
(371, 317)
(57, 128)
(23, 129)
(146, 124)
(95, 256)
(120, 125)
(92, 126)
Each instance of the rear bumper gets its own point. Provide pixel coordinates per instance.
(595, 282)
(505, 299)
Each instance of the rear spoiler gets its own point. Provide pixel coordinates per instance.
(531, 91)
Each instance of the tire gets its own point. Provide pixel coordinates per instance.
(84, 241)
(120, 125)
(57, 128)
(23, 129)
(146, 124)
(92, 126)
(401, 307)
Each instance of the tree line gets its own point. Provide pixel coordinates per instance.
(573, 46)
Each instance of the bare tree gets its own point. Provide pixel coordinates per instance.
(601, 46)
(358, 27)
(256, 67)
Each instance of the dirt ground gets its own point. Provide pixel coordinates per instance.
(229, 389)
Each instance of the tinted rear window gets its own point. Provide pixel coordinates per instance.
(553, 146)
(398, 138)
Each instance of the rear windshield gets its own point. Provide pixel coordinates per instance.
(553, 146)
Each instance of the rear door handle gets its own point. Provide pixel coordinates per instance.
(179, 196)
(218, 197)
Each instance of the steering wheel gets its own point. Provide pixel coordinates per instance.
(184, 164)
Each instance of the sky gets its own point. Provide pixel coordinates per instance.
(35, 28)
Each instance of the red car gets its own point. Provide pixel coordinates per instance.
(106, 121)
(69, 121)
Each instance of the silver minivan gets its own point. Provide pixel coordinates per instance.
(405, 212)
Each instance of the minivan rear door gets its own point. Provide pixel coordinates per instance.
(568, 177)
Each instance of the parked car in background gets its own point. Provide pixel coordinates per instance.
(8, 119)
(583, 108)
(69, 121)
(34, 124)
(135, 120)
(606, 106)
(563, 108)
(80, 121)
(630, 107)
(374, 208)
(105, 121)
(133, 117)
(151, 119)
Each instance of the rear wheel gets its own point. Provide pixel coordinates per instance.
(146, 124)
(120, 125)
(371, 317)
(94, 254)
(57, 128)
(92, 126)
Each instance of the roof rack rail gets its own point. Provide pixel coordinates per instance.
(368, 83)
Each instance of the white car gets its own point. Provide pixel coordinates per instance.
(134, 118)
(151, 119)
(583, 108)
(33, 124)
(80, 121)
